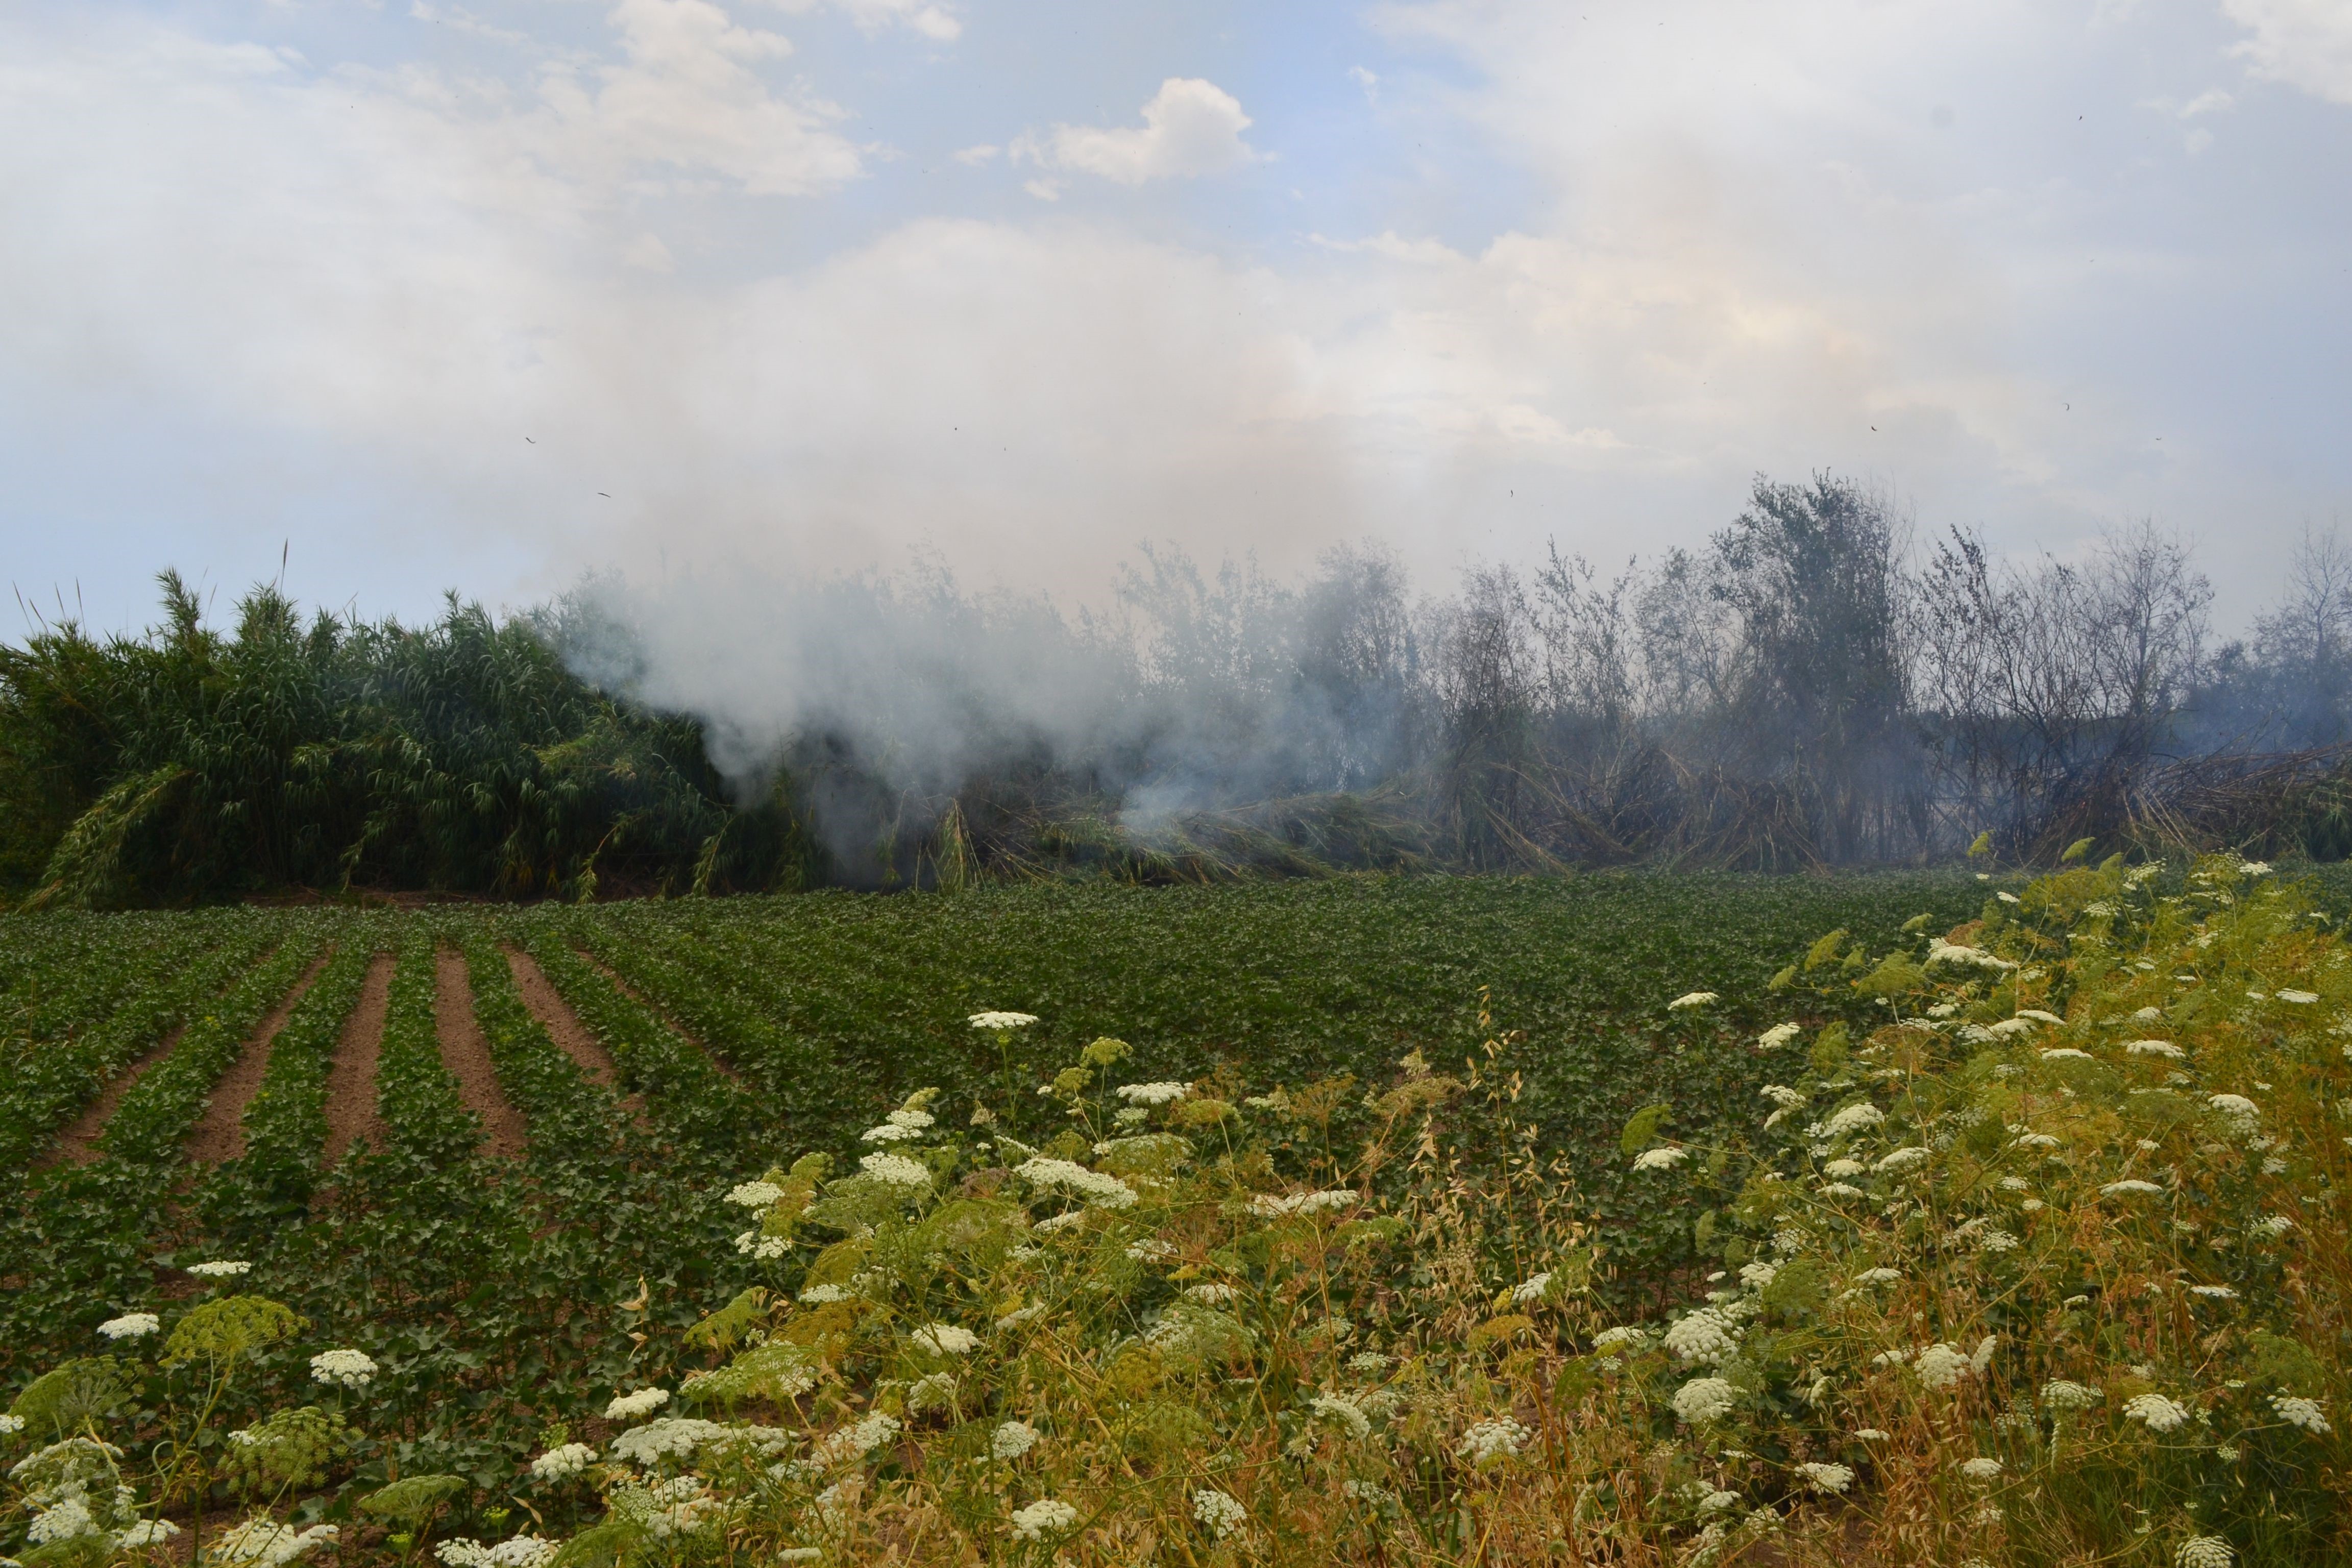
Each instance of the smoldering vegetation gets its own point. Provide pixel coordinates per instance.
(1820, 685)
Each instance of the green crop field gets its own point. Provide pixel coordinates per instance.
(489, 1146)
(747, 1031)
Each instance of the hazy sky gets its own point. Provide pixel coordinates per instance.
(479, 296)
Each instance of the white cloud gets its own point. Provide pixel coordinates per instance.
(2303, 43)
(686, 97)
(1189, 128)
(936, 23)
(976, 156)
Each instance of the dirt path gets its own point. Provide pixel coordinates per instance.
(78, 1144)
(351, 1084)
(662, 1014)
(219, 1134)
(563, 1025)
(468, 1054)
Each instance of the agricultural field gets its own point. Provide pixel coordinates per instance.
(492, 1147)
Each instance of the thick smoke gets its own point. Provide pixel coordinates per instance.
(1817, 685)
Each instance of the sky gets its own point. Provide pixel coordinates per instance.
(414, 296)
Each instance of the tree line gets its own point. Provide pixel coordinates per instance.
(1815, 686)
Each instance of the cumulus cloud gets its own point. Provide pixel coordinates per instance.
(2305, 44)
(1189, 128)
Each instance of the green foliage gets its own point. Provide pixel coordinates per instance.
(229, 1329)
(413, 1499)
(83, 1392)
(193, 765)
(289, 1451)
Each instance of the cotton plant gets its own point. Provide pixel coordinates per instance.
(2015, 1208)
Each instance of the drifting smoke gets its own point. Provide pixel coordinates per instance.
(1810, 688)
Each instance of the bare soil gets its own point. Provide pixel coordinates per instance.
(350, 1085)
(219, 1134)
(565, 1027)
(623, 987)
(78, 1144)
(468, 1055)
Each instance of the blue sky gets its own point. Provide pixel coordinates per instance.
(485, 296)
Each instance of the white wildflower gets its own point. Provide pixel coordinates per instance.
(630, 1406)
(2129, 1184)
(888, 1132)
(2299, 998)
(262, 1540)
(2272, 1226)
(2303, 1413)
(1843, 1190)
(2058, 1393)
(1706, 1336)
(1002, 1020)
(946, 1339)
(1013, 1440)
(1779, 1035)
(1963, 957)
(1716, 1501)
(820, 1295)
(1663, 1158)
(1047, 1516)
(223, 1270)
(1152, 1093)
(1532, 1290)
(1758, 1275)
(1784, 1096)
(522, 1552)
(1610, 1339)
(896, 1171)
(130, 1326)
(147, 1532)
(1870, 1435)
(1826, 1477)
(754, 1194)
(1879, 1277)
(1220, 1512)
(1305, 1202)
(2214, 1292)
(62, 1520)
(563, 1462)
(2236, 1106)
(1345, 1411)
(2165, 1048)
(1942, 1365)
(1053, 1223)
(1020, 1315)
(1093, 1186)
(1842, 1168)
(2065, 1054)
(1487, 1441)
(1981, 1470)
(844, 1445)
(343, 1369)
(1706, 1399)
(1901, 1159)
(2154, 1412)
(1212, 1293)
(1690, 999)
(1851, 1119)
(2204, 1551)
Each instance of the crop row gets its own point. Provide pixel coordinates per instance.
(79, 1242)
(286, 1122)
(165, 980)
(692, 1099)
